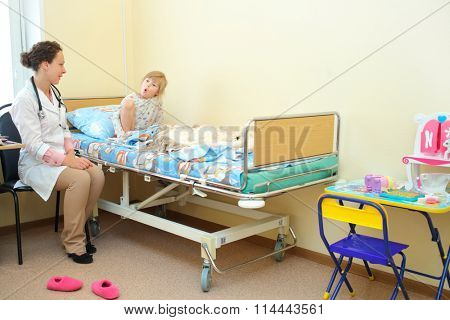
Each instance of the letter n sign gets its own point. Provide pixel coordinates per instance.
(429, 139)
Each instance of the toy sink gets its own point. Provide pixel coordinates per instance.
(434, 183)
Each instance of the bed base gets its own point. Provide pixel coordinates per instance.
(209, 242)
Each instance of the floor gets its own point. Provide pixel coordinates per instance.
(146, 263)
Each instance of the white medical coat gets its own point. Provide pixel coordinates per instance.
(39, 135)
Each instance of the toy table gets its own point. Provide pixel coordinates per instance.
(356, 189)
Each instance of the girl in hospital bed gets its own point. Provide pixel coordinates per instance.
(138, 111)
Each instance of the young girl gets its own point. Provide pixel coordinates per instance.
(138, 111)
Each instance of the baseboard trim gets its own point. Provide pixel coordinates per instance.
(381, 276)
(5, 230)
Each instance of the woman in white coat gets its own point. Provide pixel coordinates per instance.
(48, 161)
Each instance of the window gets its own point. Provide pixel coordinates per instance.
(20, 28)
(6, 75)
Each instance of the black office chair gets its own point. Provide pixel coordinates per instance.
(9, 159)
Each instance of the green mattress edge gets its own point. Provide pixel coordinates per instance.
(255, 178)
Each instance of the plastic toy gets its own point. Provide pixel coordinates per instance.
(432, 200)
(429, 199)
(432, 146)
(446, 144)
(398, 194)
(434, 183)
(377, 183)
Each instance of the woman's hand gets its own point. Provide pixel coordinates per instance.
(74, 162)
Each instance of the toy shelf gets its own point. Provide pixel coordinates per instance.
(431, 146)
(426, 160)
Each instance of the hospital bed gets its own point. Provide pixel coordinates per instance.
(288, 153)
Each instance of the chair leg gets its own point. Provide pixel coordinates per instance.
(88, 236)
(399, 277)
(326, 295)
(369, 271)
(402, 272)
(444, 272)
(342, 279)
(338, 267)
(58, 197)
(18, 227)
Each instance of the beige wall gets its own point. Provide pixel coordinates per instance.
(92, 37)
(228, 61)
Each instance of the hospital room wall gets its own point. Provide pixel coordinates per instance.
(96, 42)
(229, 61)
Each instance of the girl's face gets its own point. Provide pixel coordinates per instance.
(55, 69)
(149, 88)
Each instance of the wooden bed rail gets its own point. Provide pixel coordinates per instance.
(73, 104)
(284, 139)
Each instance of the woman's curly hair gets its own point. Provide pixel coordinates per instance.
(40, 52)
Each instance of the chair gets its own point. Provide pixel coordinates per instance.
(9, 160)
(367, 248)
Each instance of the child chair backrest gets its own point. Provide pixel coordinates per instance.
(368, 214)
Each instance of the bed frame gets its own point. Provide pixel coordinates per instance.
(294, 137)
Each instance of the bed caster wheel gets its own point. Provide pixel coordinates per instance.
(206, 278)
(161, 210)
(280, 244)
(94, 227)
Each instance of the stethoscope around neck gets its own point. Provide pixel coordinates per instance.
(57, 95)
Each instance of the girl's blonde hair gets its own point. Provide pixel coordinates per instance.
(160, 78)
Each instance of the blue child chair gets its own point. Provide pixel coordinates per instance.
(367, 248)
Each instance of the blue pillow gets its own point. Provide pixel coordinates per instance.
(94, 121)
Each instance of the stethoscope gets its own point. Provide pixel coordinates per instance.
(57, 95)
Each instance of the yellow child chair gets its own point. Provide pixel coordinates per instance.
(366, 248)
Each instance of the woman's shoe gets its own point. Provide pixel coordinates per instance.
(105, 289)
(64, 283)
(90, 248)
(84, 258)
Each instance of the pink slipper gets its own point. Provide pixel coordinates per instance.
(64, 283)
(105, 289)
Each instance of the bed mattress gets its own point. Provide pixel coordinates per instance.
(218, 164)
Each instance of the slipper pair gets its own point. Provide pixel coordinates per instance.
(103, 288)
